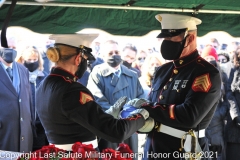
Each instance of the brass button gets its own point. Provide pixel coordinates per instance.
(175, 71)
(199, 60)
(170, 79)
(164, 105)
(161, 96)
(165, 87)
(178, 90)
(180, 61)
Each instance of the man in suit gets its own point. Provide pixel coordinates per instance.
(110, 81)
(16, 112)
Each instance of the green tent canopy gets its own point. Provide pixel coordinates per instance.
(120, 17)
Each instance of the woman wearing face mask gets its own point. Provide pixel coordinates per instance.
(148, 68)
(32, 60)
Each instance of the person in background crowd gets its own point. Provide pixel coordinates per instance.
(225, 64)
(214, 43)
(67, 109)
(149, 66)
(209, 53)
(232, 48)
(184, 94)
(47, 64)
(140, 58)
(128, 56)
(110, 81)
(96, 46)
(33, 61)
(224, 47)
(16, 110)
(84, 79)
(215, 130)
(223, 57)
(233, 120)
(200, 48)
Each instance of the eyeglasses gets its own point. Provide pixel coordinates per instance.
(113, 52)
(222, 60)
(141, 58)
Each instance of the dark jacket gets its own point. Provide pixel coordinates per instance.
(215, 130)
(16, 112)
(233, 95)
(40, 139)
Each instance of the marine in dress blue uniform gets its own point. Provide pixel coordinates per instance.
(184, 94)
(67, 109)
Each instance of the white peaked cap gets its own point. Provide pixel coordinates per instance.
(174, 24)
(175, 21)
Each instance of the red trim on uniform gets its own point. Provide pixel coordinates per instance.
(159, 106)
(135, 117)
(200, 58)
(186, 63)
(67, 80)
(171, 111)
(65, 71)
(184, 56)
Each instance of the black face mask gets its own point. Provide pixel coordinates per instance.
(31, 66)
(114, 60)
(82, 67)
(214, 63)
(128, 65)
(8, 54)
(172, 50)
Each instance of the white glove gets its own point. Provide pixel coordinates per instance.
(137, 102)
(148, 126)
(143, 112)
(116, 108)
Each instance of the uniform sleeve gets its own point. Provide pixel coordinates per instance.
(80, 108)
(198, 103)
(95, 86)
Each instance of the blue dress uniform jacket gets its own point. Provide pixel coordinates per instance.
(187, 91)
(16, 112)
(69, 114)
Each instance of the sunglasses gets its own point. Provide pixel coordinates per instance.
(141, 58)
(113, 52)
(222, 60)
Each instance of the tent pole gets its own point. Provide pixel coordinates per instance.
(122, 7)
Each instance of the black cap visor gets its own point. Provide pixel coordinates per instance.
(171, 32)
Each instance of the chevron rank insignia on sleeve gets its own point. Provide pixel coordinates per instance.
(84, 98)
(202, 83)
